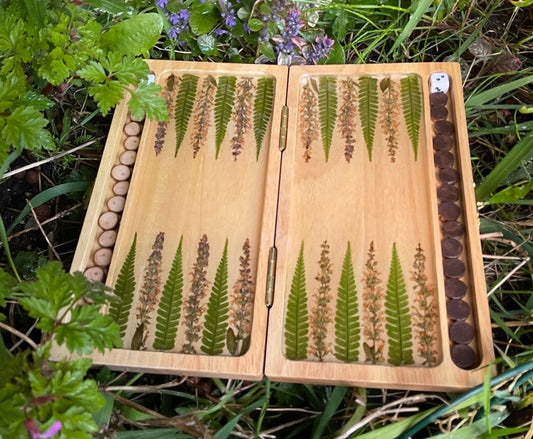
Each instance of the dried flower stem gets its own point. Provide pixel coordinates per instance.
(242, 298)
(241, 113)
(309, 116)
(193, 307)
(321, 313)
(373, 309)
(347, 116)
(149, 294)
(202, 113)
(425, 314)
(168, 94)
(390, 113)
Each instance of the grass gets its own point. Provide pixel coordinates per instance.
(491, 39)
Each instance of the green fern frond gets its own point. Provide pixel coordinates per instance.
(412, 107)
(216, 317)
(224, 100)
(184, 102)
(296, 319)
(264, 100)
(368, 109)
(119, 311)
(398, 318)
(327, 102)
(347, 331)
(169, 311)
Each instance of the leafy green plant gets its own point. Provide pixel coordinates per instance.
(398, 319)
(215, 327)
(41, 397)
(368, 109)
(184, 102)
(264, 100)
(347, 329)
(296, 317)
(327, 102)
(169, 310)
(412, 108)
(224, 100)
(119, 310)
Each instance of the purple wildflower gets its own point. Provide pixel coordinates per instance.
(229, 15)
(320, 49)
(289, 36)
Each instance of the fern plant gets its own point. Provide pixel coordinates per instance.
(398, 318)
(184, 102)
(368, 110)
(216, 317)
(264, 100)
(169, 311)
(347, 330)
(412, 108)
(327, 102)
(119, 310)
(224, 100)
(296, 318)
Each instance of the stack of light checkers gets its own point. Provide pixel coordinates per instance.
(461, 332)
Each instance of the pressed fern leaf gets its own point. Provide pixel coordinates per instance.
(412, 108)
(296, 319)
(216, 317)
(398, 318)
(169, 311)
(327, 103)
(264, 99)
(119, 311)
(368, 109)
(347, 330)
(224, 100)
(184, 103)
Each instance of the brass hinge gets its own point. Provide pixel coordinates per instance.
(283, 128)
(271, 276)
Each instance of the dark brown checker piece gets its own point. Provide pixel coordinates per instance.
(438, 98)
(451, 248)
(443, 159)
(449, 211)
(453, 229)
(461, 332)
(448, 175)
(454, 288)
(438, 112)
(464, 356)
(447, 192)
(453, 268)
(442, 143)
(444, 127)
(458, 309)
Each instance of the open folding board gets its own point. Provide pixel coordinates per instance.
(312, 223)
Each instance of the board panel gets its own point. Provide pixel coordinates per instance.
(198, 216)
(360, 290)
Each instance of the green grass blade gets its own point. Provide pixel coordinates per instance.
(119, 311)
(169, 311)
(264, 100)
(335, 400)
(412, 108)
(398, 319)
(216, 317)
(47, 195)
(327, 102)
(296, 319)
(184, 102)
(347, 331)
(368, 109)
(502, 170)
(421, 8)
(479, 99)
(224, 100)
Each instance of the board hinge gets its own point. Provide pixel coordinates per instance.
(283, 128)
(271, 276)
